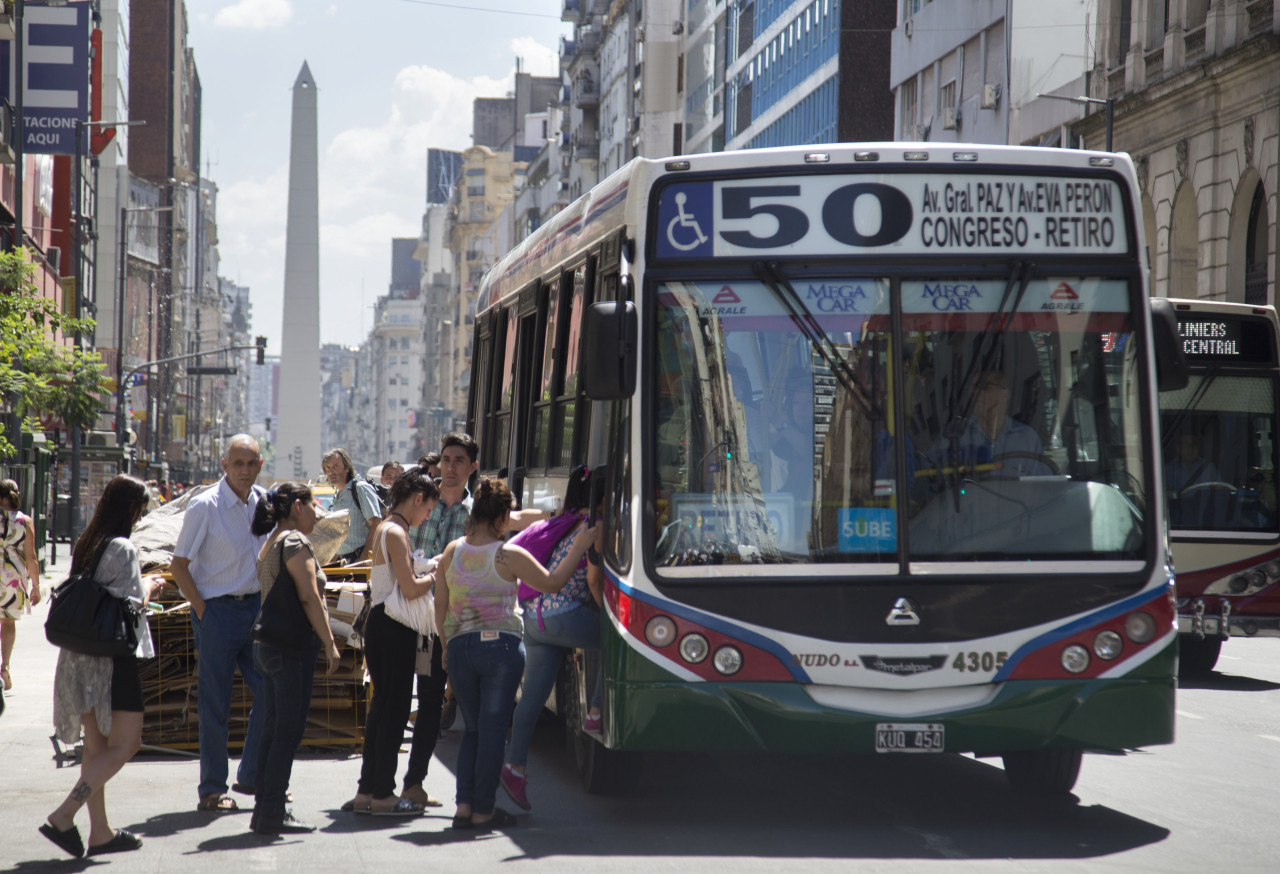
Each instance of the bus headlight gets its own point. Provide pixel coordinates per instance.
(727, 660)
(660, 631)
(1140, 627)
(1075, 658)
(694, 648)
(1107, 645)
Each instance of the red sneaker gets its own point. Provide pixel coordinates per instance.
(515, 785)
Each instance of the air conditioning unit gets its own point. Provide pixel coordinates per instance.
(950, 118)
(631, 124)
(53, 255)
(907, 27)
(990, 96)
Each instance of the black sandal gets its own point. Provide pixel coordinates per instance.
(462, 822)
(121, 842)
(501, 819)
(68, 840)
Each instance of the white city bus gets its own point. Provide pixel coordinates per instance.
(1219, 435)
(878, 429)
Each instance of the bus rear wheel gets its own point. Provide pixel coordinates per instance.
(1043, 772)
(1197, 655)
(603, 771)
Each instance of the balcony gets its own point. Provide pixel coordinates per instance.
(571, 10)
(585, 92)
(1260, 16)
(1115, 81)
(568, 48)
(1154, 61)
(1193, 43)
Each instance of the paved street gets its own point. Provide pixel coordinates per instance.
(1204, 804)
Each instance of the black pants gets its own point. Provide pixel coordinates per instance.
(389, 649)
(426, 728)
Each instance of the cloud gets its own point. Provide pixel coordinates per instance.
(539, 60)
(372, 188)
(255, 14)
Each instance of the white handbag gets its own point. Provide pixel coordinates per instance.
(416, 613)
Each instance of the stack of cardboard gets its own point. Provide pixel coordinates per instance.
(170, 690)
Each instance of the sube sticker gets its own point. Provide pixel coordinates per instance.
(868, 529)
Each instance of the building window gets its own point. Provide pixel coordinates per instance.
(908, 100)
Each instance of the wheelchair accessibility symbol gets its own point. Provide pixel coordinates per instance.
(683, 231)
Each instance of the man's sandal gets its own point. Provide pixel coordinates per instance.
(217, 803)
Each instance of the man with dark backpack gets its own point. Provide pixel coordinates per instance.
(357, 496)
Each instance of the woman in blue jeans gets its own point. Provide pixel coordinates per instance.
(287, 638)
(484, 653)
(555, 624)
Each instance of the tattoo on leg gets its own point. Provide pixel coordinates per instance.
(82, 792)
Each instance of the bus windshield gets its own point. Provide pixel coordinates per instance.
(1219, 453)
(911, 420)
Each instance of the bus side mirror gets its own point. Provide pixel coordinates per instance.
(1171, 363)
(609, 350)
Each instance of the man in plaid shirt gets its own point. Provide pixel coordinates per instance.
(447, 522)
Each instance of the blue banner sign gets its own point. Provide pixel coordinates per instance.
(56, 92)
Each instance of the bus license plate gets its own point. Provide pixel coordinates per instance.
(909, 737)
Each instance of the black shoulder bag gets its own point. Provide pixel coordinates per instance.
(85, 617)
(281, 621)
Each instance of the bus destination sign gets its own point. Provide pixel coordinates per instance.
(1225, 338)
(1212, 338)
(899, 213)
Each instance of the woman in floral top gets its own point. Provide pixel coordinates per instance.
(555, 624)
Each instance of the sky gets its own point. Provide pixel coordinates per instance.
(393, 78)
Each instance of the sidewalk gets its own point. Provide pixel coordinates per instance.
(154, 795)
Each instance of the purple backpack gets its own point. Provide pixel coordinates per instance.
(540, 541)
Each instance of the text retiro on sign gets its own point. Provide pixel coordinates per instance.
(993, 214)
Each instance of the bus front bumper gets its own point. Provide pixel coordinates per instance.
(1194, 618)
(1111, 715)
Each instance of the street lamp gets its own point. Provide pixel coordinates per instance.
(448, 323)
(1108, 102)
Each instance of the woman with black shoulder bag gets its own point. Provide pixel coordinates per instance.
(103, 694)
(288, 635)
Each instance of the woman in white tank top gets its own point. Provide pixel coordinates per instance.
(484, 652)
(390, 647)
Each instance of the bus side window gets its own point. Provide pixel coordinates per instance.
(480, 389)
(546, 378)
(503, 393)
(569, 417)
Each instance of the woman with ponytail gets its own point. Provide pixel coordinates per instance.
(390, 648)
(484, 653)
(288, 635)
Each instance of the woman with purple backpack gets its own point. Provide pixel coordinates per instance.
(554, 625)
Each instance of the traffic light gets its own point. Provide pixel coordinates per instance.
(262, 350)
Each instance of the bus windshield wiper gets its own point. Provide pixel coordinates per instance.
(771, 275)
(1181, 416)
(1019, 278)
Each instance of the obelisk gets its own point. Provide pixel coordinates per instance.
(298, 392)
